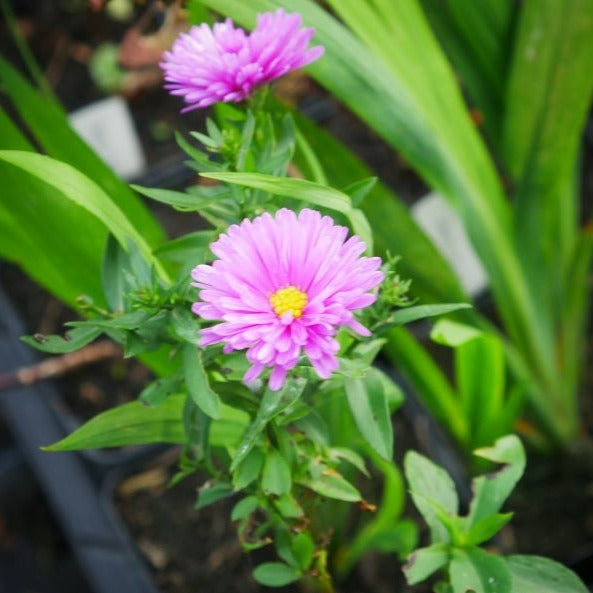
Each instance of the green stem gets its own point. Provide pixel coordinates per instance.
(324, 578)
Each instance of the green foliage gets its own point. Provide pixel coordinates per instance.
(455, 539)
(526, 70)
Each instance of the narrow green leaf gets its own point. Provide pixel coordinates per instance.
(73, 340)
(359, 190)
(492, 490)
(453, 333)
(210, 494)
(424, 562)
(129, 424)
(487, 527)
(112, 278)
(414, 313)
(249, 469)
(276, 474)
(333, 486)
(197, 382)
(351, 457)
(275, 574)
(177, 199)
(272, 403)
(155, 393)
(534, 574)
(367, 401)
(299, 189)
(476, 571)
(187, 249)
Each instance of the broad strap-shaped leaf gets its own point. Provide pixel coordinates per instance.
(534, 574)
(548, 97)
(492, 490)
(394, 229)
(72, 185)
(477, 37)
(50, 127)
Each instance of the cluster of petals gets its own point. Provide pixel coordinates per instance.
(262, 264)
(224, 63)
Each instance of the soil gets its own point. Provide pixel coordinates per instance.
(189, 550)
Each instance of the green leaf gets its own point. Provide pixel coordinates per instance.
(276, 475)
(429, 482)
(288, 507)
(244, 508)
(272, 403)
(393, 226)
(197, 382)
(303, 548)
(333, 486)
(480, 371)
(177, 199)
(370, 411)
(359, 190)
(304, 191)
(410, 314)
(187, 249)
(299, 189)
(73, 340)
(486, 528)
(275, 574)
(129, 424)
(548, 98)
(112, 278)
(210, 494)
(453, 333)
(351, 457)
(72, 185)
(492, 490)
(429, 381)
(49, 125)
(249, 468)
(534, 574)
(155, 393)
(425, 561)
(475, 571)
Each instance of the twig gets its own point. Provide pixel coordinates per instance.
(59, 365)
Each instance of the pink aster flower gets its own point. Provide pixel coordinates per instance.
(281, 288)
(225, 64)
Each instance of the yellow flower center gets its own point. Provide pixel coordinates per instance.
(289, 300)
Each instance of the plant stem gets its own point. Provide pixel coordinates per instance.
(325, 581)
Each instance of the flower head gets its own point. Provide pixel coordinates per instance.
(281, 288)
(225, 64)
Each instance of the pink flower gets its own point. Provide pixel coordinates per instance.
(207, 66)
(282, 287)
